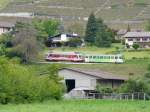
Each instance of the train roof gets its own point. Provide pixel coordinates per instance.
(86, 54)
(65, 53)
(103, 54)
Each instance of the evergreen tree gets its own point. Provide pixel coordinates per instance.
(91, 30)
(104, 35)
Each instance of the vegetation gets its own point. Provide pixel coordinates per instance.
(135, 46)
(80, 106)
(97, 33)
(91, 30)
(20, 85)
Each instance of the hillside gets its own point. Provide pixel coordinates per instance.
(114, 12)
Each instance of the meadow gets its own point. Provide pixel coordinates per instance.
(136, 62)
(79, 106)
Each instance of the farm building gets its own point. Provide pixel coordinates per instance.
(77, 78)
(6, 27)
(141, 38)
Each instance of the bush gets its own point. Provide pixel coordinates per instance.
(132, 86)
(20, 85)
(135, 46)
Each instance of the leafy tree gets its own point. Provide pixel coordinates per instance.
(18, 84)
(24, 42)
(91, 30)
(74, 42)
(132, 86)
(135, 46)
(45, 28)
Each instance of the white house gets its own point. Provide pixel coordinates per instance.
(64, 37)
(78, 78)
(6, 27)
(141, 38)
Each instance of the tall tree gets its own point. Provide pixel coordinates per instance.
(91, 30)
(104, 35)
(25, 43)
(45, 28)
(148, 25)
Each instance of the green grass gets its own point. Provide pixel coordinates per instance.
(80, 106)
(137, 67)
(136, 62)
(128, 54)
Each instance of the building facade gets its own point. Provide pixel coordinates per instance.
(6, 27)
(141, 38)
(77, 78)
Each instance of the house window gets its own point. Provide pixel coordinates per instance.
(138, 39)
(145, 39)
(130, 39)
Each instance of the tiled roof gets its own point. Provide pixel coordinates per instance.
(98, 73)
(6, 24)
(137, 34)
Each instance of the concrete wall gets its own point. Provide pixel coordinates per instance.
(81, 80)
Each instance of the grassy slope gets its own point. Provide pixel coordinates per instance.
(138, 67)
(94, 50)
(80, 106)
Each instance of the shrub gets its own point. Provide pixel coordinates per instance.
(132, 86)
(135, 46)
(20, 85)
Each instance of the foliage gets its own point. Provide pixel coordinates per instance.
(97, 33)
(74, 42)
(135, 46)
(91, 30)
(45, 28)
(132, 86)
(25, 44)
(148, 26)
(104, 35)
(20, 85)
(103, 89)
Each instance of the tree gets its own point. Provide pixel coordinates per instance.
(135, 46)
(24, 42)
(45, 28)
(104, 35)
(148, 25)
(74, 42)
(91, 30)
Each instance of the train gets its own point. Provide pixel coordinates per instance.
(84, 58)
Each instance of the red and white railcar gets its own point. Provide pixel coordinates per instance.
(67, 56)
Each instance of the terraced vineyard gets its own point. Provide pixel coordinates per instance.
(115, 12)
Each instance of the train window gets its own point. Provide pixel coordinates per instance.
(94, 57)
(101, 57)
(108, 57)
(112, 57)
(87, 57)
(120, 57)
(97, 57)
(116, 57)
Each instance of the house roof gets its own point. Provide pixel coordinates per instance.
(137, 34)
(98, 73)
(122, 32)
(67, 34)
(6, 24)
